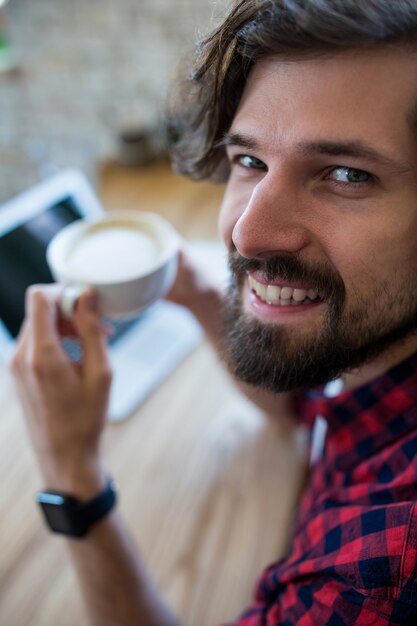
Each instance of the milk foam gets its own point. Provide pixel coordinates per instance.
(110, 254)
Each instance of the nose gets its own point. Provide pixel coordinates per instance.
(273, 220)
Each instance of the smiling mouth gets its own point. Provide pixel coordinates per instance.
(283, 296)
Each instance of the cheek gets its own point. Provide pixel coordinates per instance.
(381, 256)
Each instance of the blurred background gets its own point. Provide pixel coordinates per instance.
(84, 82)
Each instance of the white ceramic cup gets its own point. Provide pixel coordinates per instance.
(129, 258)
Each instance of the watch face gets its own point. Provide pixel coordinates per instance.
(60, 513)
(65, 514)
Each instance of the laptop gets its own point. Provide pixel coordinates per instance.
(143, 351)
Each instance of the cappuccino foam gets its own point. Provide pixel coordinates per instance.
(111, 254)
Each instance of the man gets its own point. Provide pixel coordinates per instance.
(313, 104)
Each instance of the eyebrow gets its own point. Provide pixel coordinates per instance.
(355, 149)
(239, 140)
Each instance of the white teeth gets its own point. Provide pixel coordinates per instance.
(299, 295)
(261, 290)
(286, 293)
(273, 294)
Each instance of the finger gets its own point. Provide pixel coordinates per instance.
(67, 329)
(52, 293)
(41, 309)
(41, 315)
(89, 326)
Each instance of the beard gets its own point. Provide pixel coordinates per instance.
(279, 359)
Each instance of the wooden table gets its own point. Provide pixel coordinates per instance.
(207, 483)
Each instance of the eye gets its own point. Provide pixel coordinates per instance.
(248, 161)
(350, 175)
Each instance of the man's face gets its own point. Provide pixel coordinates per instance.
(320, 217)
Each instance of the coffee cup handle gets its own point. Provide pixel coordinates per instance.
(69, 297)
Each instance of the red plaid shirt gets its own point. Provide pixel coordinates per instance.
(354, 554)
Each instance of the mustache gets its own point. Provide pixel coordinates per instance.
(323, 279)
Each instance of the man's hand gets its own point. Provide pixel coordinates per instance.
(65, 403)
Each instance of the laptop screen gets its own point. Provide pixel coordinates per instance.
(22, 259)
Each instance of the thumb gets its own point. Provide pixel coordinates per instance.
(88, 323)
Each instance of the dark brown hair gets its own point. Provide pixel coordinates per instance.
(202, 107)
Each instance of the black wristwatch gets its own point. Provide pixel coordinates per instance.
(67, 515)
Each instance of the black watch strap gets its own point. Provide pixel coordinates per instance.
(66, 515)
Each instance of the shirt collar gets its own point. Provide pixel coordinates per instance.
(364, 420)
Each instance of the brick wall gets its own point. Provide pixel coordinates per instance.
(86, 68)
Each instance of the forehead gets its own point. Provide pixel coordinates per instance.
(348, 96)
